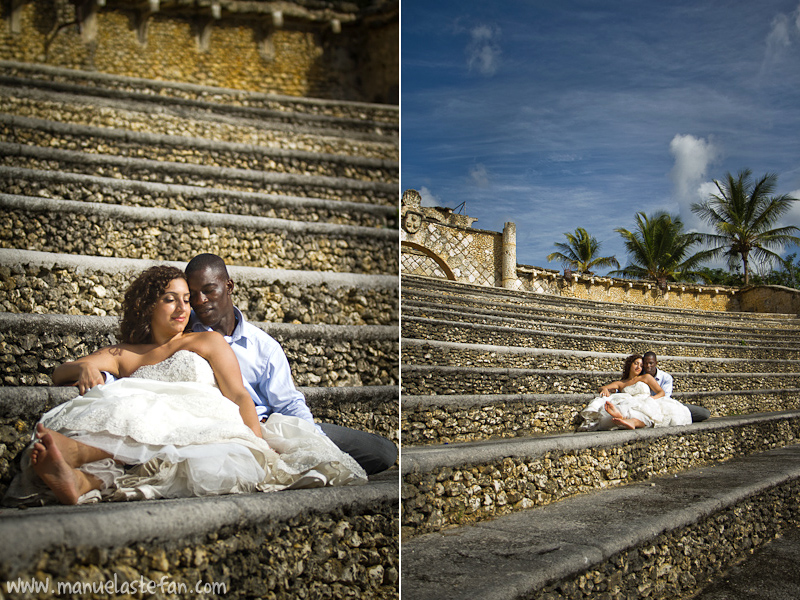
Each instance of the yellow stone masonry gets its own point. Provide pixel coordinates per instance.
(300, 59)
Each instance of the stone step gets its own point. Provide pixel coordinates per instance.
(130, 192)
(31, 346)
(457, 484)
(244, 180)
(538, 318)
(474, 333)
(440, 380)
(659, 539)
(432, 352)
(94, 229)
(43, 282)
(426, 290)
(381, 119)
(764, 335)
(259, 127)
(174, 148)
(432, 419)
(338, 542)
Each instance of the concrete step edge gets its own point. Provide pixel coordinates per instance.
(163, 189)
(199, 110)
(198, 218)
(455, 346)
(517, 555)
(163, 140)
(596, 321)
(516, 330)
(423, 459)
(65, 324)
(127, 164)
(10, 257)
(41, 529)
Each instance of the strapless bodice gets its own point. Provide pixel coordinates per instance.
(637, 389)
(184, 365)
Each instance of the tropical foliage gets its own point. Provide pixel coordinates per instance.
(660, 249)
(579, 253)
(744, 215)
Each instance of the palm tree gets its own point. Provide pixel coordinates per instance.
(659, 249)
(744, 214)
(580, 253)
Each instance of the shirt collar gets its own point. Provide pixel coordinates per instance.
(238, 330)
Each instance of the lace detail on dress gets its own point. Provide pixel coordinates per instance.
(184, 365)
(637, 389)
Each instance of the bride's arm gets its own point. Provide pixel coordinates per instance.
(85, 372)
(614, 386)
(213, 347)
(651, 381)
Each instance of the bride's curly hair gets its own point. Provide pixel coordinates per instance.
(140, 301)
(628, 363)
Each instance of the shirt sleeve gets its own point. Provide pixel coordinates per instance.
(278, 388)
(666, 384)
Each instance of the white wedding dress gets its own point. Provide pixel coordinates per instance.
(635, 402)
(178, 436)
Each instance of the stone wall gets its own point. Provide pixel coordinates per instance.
(771, 299)
(440, 243)
(476, 492)
(299, 51)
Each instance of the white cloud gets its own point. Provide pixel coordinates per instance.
(428, 198)
(479, 176)
(693, 156)
(483, 51)
(784, 32)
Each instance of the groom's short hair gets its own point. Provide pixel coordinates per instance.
(207, 261)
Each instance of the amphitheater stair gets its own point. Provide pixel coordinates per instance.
(504, 497)
(102, 176)
(659, 539)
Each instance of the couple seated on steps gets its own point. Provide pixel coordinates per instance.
(190, 403)
(641, 398)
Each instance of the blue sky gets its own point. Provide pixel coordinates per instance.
(557, 115)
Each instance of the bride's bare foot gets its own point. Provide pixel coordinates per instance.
(74, 453)
(626, 423)
(613, 410)
(50, 465)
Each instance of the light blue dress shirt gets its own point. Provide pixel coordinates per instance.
(265, 369)
(663, 379)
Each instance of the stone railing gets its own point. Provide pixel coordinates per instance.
(646, 293)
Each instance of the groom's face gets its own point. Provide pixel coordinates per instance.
(649, 366)
(211, 297)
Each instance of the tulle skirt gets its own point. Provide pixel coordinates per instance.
(185, 439)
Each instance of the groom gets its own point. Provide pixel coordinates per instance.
(664, 379)
(265, 369)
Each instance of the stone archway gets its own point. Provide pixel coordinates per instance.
(418, 260)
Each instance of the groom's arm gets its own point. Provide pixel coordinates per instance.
(666, 383)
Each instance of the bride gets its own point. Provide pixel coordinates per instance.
(177, 423)
(634, 406)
